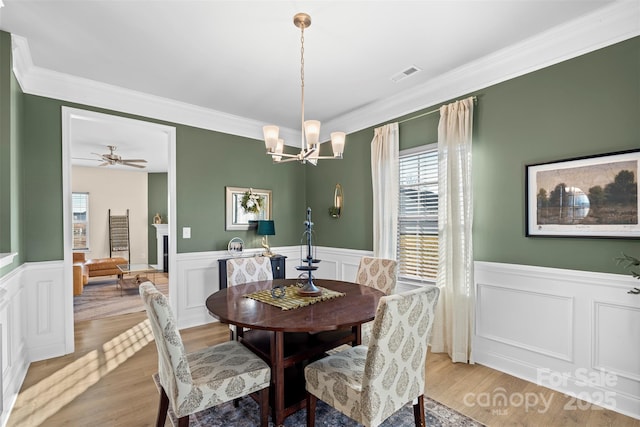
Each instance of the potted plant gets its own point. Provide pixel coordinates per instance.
(630, 263)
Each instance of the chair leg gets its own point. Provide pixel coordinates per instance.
(311, 410)
(264, 407)
(418, 412)
(184, 421)
(162, 409)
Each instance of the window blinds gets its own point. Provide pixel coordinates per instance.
(418, 216)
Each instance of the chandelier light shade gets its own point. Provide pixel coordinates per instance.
(309, 129)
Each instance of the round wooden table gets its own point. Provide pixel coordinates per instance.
(286, 339)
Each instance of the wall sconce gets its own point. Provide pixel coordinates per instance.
(338, 202)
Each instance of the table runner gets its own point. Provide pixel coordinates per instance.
(292, 300)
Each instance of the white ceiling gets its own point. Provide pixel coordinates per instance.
(240, 60)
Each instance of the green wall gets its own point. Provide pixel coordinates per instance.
(587, 105)
(5, 143)
(584, 106)
(354, 228)
(206, 162)
(11, 119)
(157, 202)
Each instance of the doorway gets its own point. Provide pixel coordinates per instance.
(155, 143)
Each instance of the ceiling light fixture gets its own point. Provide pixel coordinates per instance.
(309, 147)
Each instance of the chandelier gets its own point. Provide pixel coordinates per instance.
(309, 146)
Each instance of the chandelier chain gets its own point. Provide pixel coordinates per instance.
(302, 139)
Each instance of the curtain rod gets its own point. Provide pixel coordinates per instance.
(437, 110)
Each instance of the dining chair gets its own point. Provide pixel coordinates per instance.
(246, 270)
(192, 382)
(378, 273)
(249, 269)
(369, 384)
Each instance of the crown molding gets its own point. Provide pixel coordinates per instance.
(606, 26)
(615, 23)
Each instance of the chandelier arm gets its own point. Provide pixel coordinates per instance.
(283, 155)
(290, 159)
(329, 157)
(309, 151)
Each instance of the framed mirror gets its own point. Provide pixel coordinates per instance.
(246, 204)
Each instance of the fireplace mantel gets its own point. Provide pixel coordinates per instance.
(161, 231)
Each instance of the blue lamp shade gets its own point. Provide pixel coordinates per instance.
(266, 228)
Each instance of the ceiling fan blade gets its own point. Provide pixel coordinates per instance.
(104, 164)
(134, 160)
(133, 165)
(84, 158)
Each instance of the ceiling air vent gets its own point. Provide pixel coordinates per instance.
(405, 73)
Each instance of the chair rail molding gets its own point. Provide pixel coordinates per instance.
(557, 327)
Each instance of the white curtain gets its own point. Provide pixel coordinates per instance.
(453, 327)
(385, 181)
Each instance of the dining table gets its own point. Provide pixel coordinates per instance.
(288, 339)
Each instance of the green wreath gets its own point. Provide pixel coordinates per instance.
(251, 202)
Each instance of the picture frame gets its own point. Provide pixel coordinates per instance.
(592, 197)
(235, 247)
(237, 217)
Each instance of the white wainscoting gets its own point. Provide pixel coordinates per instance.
(47, 310)
(196, 277)
(549, 326)
(12, 345)
(559, 328)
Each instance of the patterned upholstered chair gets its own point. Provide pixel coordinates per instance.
(246, 270)
(378, 273)
(369, 384)
(251, 269)
(205, 378)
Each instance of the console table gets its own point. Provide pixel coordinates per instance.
(277, 266)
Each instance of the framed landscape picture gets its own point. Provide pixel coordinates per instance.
(594, 196)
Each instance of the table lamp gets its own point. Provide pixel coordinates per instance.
(266, 228)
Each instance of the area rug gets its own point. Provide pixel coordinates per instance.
(247, 415)
(104, 298)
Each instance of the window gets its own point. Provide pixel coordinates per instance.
(80, 209)
(418, 215)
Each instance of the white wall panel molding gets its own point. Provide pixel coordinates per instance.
(344, 263)
(524, 313)
(551, 334)
(13, 357)
(196, 277)
(616, 328)
(45, 291)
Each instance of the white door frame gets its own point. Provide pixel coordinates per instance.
(69, 115)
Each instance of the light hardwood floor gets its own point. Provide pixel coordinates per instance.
(107, 382)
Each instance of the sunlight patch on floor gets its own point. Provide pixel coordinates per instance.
(40, 401)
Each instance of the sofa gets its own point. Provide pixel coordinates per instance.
(83, 269)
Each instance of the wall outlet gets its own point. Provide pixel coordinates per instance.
(186, 232)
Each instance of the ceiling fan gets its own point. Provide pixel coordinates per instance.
(111, 159)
